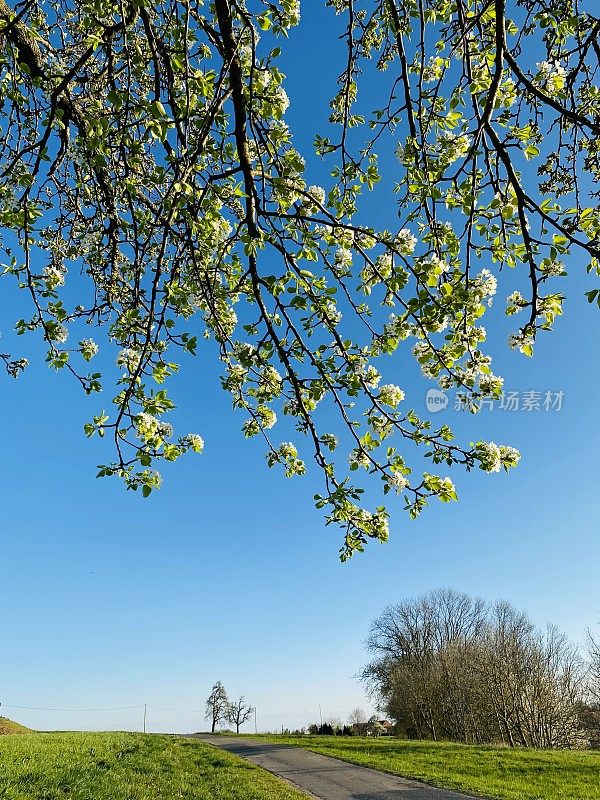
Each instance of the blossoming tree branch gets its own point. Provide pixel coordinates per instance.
(151, 191)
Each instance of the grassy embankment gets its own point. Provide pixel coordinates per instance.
(8, 727)
(128, 766)
(487, 771)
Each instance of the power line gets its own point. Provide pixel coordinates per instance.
(145, 707)
(202, 711)
(72, 710)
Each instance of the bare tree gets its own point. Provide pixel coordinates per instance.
(448, 666)
(594, 672)
(217, 705)
(407, 640)
(357, 720)
(238, 713)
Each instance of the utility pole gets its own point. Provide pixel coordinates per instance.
(320, 715)
(145, 710)
(255, 726)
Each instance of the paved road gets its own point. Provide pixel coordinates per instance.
(328, 778)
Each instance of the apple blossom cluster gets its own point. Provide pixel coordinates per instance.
(398, 481)
(314, 199)
(493, 457)
(129, 358)
(507, 94)
(57, 332)
(263, 419)
(290, 10)
(359, 523)
(270, 383)
(287, 454)
(54, 275)
(343, 257)
(405, 242)
(359, 458)
(443, 488)
(433, 69)
(151, 429)
(551, 268)
(431, 267)
(453, 146)
(390, 395)
(552, 76)
(522, 340)
(88, 348)
(194, 441)
(375, 273)
(485, 285)
(175, 187)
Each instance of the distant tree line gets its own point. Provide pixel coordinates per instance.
(220, 709)
(448, 666)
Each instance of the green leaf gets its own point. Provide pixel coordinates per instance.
(265, 21)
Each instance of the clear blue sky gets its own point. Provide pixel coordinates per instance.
(229, 573)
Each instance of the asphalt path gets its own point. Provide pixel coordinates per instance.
(328, 778)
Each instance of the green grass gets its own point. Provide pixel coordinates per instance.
(8, 727)
(128, 766)
(487, 771)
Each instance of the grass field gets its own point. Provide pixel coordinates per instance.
(128, 766)
(488, 771)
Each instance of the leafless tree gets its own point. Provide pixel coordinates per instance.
(451, 667)
(217, 705)
(239, 712)
(594, 673)
(357, 720)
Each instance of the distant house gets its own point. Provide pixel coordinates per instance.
(379, 727)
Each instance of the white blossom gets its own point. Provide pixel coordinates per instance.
(455, 145)
(433, 266)
(371, 377)
(421, 349)
(522, 341)
(486, 283)
(89, 348)
(398, 481)
(358, 458)
(165, 429)
(129, 358)
(147, 425)
(509, 456)
(58, 333)
(552, 268)
(317, 193)
(433, 70)
(343, 257)
(552, 76)
(405, 242)
(391, 395)
(488, 455)
(287, 450)
(195, 442)
(54, 275)
(267, 416)
(516, 299)
(281, 98)
(491, 385)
